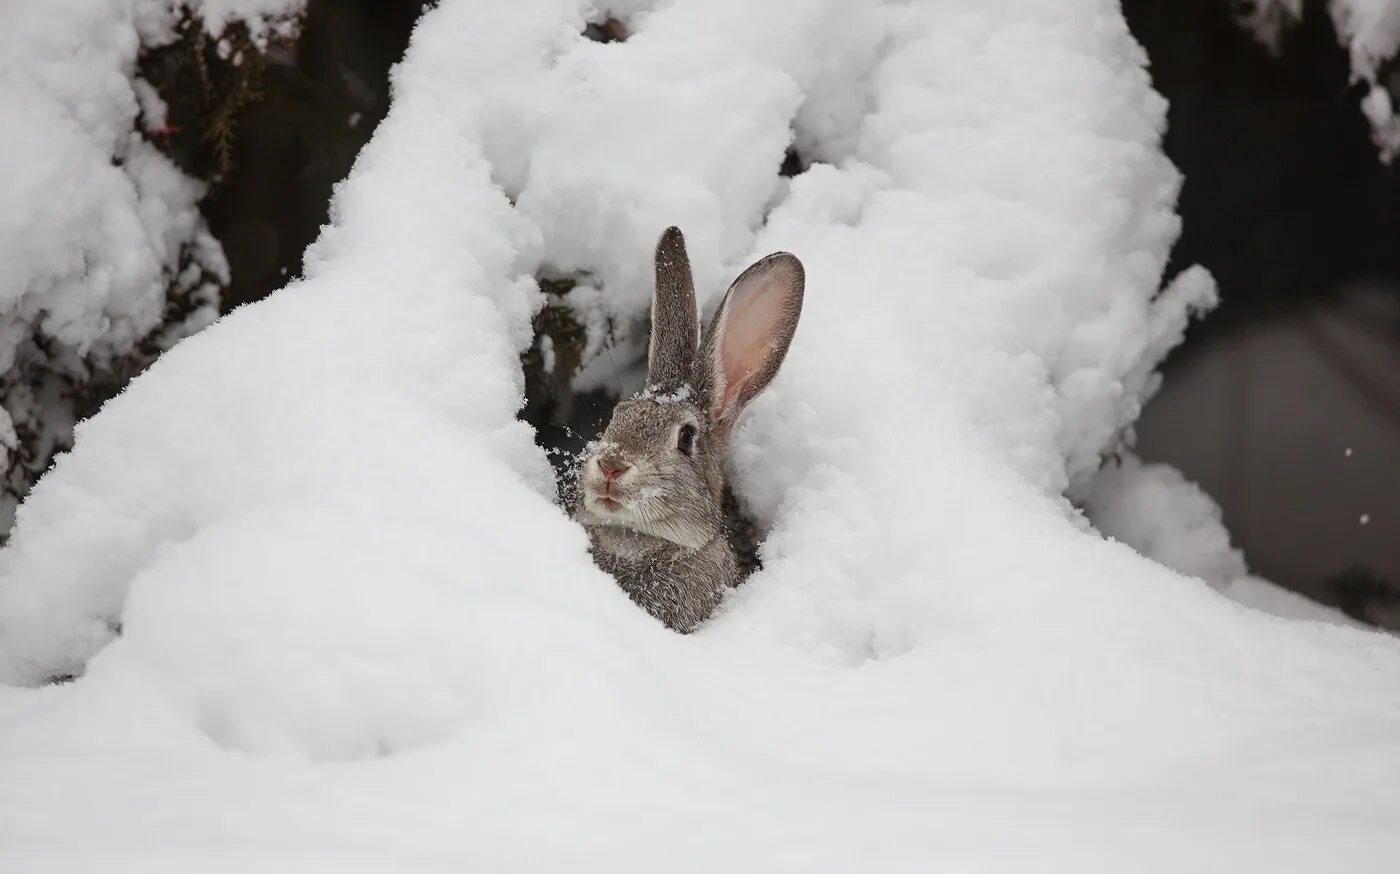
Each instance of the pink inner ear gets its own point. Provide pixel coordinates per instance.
(751, 320)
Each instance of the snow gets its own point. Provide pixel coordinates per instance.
(356, 633)
(1385, 125)
(1370, 31)
(1155, 510)
(676, 396)
(95, 215)
(259, 16)
(1268, 20)
(100, 230)
(1264, 595)
(1165, 517)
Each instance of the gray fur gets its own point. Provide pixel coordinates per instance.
(664, 537)
(671, 353)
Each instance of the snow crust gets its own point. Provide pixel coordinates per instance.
(356, 634)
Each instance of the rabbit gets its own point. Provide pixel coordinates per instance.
(650, 488)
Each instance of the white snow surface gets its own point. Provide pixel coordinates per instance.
(357, 635)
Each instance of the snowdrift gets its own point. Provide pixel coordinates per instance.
(356, 633)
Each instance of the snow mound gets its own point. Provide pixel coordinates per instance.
(324, 536)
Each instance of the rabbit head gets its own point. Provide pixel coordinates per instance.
(658, 468)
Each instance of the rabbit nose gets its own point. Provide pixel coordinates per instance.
(612, 467)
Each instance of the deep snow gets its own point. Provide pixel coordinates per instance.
(358, 635)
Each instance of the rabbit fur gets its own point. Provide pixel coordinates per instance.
(650, 489)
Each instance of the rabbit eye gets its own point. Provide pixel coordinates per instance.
(685, 440)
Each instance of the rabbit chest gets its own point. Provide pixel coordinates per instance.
(679, 586)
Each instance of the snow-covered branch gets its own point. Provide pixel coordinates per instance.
(105, 260)
(1370, 32)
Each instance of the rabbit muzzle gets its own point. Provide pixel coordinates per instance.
(609, 484)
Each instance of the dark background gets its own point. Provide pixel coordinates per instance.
(1284, 403)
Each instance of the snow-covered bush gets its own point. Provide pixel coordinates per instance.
(1370, 32)
(345, 547)
(105, 260)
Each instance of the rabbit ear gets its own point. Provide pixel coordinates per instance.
(671, 355)
(749, 337)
